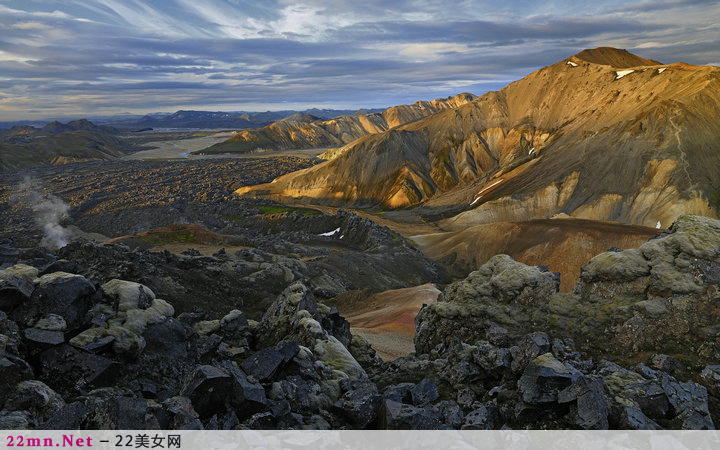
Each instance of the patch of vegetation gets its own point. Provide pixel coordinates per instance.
(272, 209)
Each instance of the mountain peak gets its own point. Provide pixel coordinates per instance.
(615, 57)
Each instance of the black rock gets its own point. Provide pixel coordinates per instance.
(399, 392)
(663, 362)
(227, 421)
(191, 318)
(12, 371)
(61, 265)
(67, 296)
(38, 338)
(542, 379)
(399, 416)
(207, 346)
(71, 417)
(14, 292)
(653, 400)
(302, 394)
(117, 413)
(530, 347)
(235, 322)
(493, 360)
(263, 364)
(247, 398)
(629, 418)
(710, 377)
(497, 335)
(425, 392)
(336, 325)
(479, 419)
(591, 409)
(101, 345)
(288, 350)
(170, 338)
(360, 403)
(12, 331)
(453, 416)
(183, 415)
(208, 387)
(71, 371)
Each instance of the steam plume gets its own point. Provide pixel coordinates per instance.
(48, 211)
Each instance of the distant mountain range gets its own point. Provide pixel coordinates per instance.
(58, 143)
(305, 130)
(201, 119)
(602, 135)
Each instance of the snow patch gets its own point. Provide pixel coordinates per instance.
(622, 73)
(330, 233)
(532, 150)
(342, 236)
(662, 69)
(658, 225)
(570, 63)
(478, 196)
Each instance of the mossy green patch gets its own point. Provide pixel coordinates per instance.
(272, 209)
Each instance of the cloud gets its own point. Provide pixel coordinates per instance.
(76, 58)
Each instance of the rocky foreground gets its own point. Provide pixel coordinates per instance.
(635, 347)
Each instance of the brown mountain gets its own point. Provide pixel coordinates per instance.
(299, 131)
(602, 135)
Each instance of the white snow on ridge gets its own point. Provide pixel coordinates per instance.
(662, 69)
(330, 233)
(478, 196)
(658, 225)
(572, 64)
(531, 151)
(622, 73)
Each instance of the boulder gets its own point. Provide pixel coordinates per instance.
(64, 294)
(39, 339)
(425, 392)
(479, 419)
(246, 397)
(208, 387)
(467, 309)
(35, 397)
(182, 414)
(234, 322)
(710, 377)
(14, 291)
(169, 339)
(400, 393)
(278, 322)
(288, 350)
(12, 371)
(399, 416)
(360, 402)
(263, 364)
(590, 410)
(71, 371)
(129, 295)
(116, 412)
(52, 322)
(453, 415)
(530, 347)
(543, 379)
(71, 416)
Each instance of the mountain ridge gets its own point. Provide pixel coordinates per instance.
(541, 138)
(293, 134)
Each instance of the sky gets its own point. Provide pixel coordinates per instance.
(72, 59)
